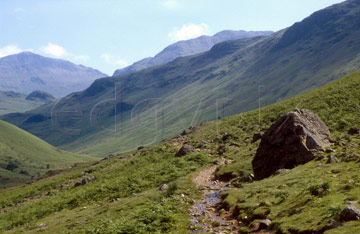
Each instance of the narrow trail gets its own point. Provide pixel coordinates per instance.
(207, 214)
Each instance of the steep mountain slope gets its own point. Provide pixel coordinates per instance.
(125, 197)
(23, 155)
(11, 102)
(189, 47)
(26, 72)
(120, 113)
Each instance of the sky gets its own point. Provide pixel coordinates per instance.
(111, 34)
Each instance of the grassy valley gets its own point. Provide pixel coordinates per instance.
(121, 195)
(23, 156)
(118, 114)
(11, 102)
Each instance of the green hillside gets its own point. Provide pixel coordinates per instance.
(23, 155)
(11, 102)
(118, 114)
(123, 196)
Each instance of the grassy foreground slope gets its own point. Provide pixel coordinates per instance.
(23, 155)
(123, 196)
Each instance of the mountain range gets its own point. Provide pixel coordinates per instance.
(26, 72)
(188, 47)
(151, 190)
(176, 157)
(120, 113)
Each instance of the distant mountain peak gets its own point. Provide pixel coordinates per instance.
(26, 72)
(189, 47)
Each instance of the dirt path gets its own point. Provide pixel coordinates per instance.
(207, 214)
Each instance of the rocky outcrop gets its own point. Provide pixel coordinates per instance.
(164, 187)
(350, 213)
(354, 131)
(185, 149)
(85, 181)
(290, 142)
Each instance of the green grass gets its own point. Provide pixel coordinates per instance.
(16, 102)
(22, 152)
(118, 178)
(302, 199)
(233, 77)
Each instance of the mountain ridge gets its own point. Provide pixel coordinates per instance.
(187, 48)
(26, 72)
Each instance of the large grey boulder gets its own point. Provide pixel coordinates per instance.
(290, 142)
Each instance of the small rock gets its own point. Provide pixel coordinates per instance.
(22, 172)
(351, 202)
(280, 171)
(353, 131)
(340, 143)
(43, 226)
(321, 157)
(217, 162)
(353, 157)
(330, 151)
(228, 161)
(350, 213)
(85, 181)
(332, 159)
(257, 136)
(225, 136)
(140, 147)
(108, 157)
(185, 149)
(264, 224)
(164, 187)
(133, 194)
(332, 224)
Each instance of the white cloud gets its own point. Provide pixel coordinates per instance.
(11, 49)
(114, 60)
(60, 52)
(188, 31)
(53, 50)
(170, 4)
(49, 49)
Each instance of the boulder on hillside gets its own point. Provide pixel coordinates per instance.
(85, 181)
(164, 187)
(185, 149)
(350, 213)
(290, 142)
(354, 131)
(257, 136)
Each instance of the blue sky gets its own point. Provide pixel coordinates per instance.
(108, 34)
